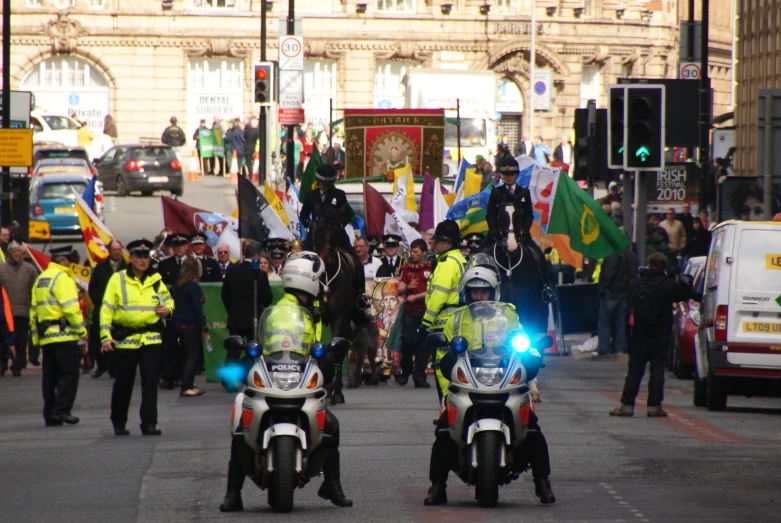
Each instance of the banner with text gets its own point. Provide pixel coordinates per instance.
(677, 184)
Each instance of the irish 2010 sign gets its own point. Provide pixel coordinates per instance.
(672, 187)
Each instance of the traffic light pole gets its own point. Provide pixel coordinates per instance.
(5, 178)
(263, 125)
(291, 166)
(592, 146)
(641, 202)
(705, 107)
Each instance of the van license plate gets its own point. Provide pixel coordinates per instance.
(762, 327)
(158, 179)
(64, 210)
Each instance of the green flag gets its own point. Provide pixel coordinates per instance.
(219, 143)
(575, 214)
(206, 142)
(308, 180)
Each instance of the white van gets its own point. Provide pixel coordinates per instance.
(738, 346)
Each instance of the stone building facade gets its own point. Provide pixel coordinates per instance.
(758, 67)
(147, 60)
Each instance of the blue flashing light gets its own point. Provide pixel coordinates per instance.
(253, 349)
(459, 345)
(233, 373)
(317, 351)
(520, 343)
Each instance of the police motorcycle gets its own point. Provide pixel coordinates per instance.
(281, 412)
(488, 402)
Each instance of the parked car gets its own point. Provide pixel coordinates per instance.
(738, 347)
(143, 168)
(63, 166)
(52, 200)
(686, 322)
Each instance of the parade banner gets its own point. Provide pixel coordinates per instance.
(218, 228)
(386, 308)
(379, 141)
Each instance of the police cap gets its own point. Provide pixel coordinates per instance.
(141, 247)
(177, 239)
(326, 173)
(391, 240)
(198, 238)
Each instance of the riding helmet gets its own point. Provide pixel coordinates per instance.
(326, 173)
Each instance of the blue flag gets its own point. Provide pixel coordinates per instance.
(89, 194)
(359, 225)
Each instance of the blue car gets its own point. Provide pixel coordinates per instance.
(52, 200)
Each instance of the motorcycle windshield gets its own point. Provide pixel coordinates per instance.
(479, 260)
(287, 328)
(486, 326)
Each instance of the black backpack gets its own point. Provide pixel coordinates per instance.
(644, 311)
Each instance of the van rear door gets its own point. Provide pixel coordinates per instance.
(754, 321)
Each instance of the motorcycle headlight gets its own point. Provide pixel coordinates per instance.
(286, 380)
(489, 376)
(520, 343)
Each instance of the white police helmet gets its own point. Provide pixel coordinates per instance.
(302, 272)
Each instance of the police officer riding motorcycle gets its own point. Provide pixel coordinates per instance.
(301, 281)
(488, 328)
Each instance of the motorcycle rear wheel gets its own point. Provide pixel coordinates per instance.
(487, 488)
(284, 479)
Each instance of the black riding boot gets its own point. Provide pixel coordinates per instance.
(438, 469)
(543, 491)
(331, 489)
(232, 502)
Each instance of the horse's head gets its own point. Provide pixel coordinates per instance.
(329, 222)
(510, 226)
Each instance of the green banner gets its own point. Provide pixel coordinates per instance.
(217, 319)
(206, 142)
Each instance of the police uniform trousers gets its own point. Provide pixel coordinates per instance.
(60, 369)
(147, 359)
(21, 337)
(410, 323)
(172, 354)
(532, 452)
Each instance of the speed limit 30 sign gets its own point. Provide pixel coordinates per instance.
(291, 53)
(689, 71)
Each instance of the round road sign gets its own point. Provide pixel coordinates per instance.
(690, 71)
(539, 88)
(291, 48)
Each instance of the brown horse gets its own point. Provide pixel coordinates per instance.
(340, 296)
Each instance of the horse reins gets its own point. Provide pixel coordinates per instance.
(326, 287)
(508, 270)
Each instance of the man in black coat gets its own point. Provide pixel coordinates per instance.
(618, 269)
(238, 296)
(210, 269)
(251, 139)
(505, 194)
(391, 261)
(170, 270)
(171, 267)
(651, 299)
(97, 288)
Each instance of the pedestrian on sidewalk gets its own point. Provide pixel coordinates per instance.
(18, 278)
(190, 323)
(618, 270)
(58, 327)
(651, 298)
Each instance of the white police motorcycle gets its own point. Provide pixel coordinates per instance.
(488, 402)
(281, 413)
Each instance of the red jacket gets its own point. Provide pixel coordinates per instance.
(416, 272)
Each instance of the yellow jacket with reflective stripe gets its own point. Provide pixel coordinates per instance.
(442, 289)
(131, 304)
(54, 297)
(460, 324)
(312, 333)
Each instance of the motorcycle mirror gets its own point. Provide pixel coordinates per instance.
(338, 345)
(234, 343)
(543, 341)
(317, 350)
(254, 349)
(436, 339)
(459, 345)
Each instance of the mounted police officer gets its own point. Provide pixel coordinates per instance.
(481, 284)
(301, 281)
(58, 327)
(131, 324)
(441, 291)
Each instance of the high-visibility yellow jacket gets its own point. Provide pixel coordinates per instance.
(286, 326)
(55, 297)
(130, 303)
(442, 289)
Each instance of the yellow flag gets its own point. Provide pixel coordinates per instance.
(96, 235)
(450, 198)
(275, 203)
(472, 182)
(409, 186)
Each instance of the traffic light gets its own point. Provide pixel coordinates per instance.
(264, 82)
(581, 145)
(599, 170)
(590, 148)
(617, 117)
(645, 127)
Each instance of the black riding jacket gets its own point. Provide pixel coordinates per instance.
(501, 196)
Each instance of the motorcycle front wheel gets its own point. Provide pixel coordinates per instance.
(284, 480)
(488, 448)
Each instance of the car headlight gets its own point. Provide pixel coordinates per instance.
(489, 376)
(520, 343)
(286, 380)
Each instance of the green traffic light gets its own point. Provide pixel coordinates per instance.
(643, 153)
(621, 150)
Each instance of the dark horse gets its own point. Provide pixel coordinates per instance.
(525, 279)
(340, 294)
